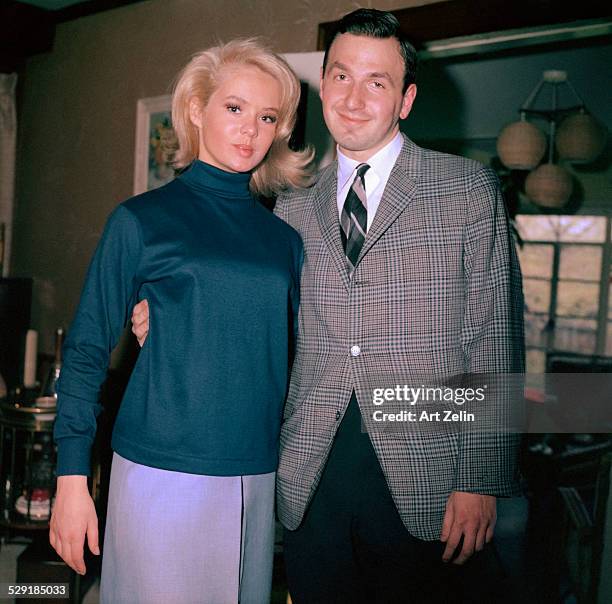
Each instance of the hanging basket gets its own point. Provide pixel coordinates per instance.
(549, 186)
(580, 138)
(521, 146)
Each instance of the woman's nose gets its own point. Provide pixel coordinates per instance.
(249, 127)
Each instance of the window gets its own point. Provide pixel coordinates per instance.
(566, 264)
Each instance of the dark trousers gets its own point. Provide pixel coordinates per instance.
(353, 547)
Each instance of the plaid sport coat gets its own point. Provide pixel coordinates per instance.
(436, 291)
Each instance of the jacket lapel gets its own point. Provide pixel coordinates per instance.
(326, 209)
(398, 194)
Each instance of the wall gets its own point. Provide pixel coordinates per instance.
(77, 117)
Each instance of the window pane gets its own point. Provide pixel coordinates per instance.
(609, 339)
(577, 299)
(562, 228)
(536, 260)
(534, 329)
(582, 228)
(537, 295)
(535, 361)
(536, 228)
(576, 335)
(580, 262)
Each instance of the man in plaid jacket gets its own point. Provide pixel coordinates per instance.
(435, 290)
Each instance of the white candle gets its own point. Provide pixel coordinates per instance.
(29, 365)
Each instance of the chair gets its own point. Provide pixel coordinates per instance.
(587, 538)
(582, 387)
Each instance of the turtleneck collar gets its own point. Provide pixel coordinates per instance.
(204, 178)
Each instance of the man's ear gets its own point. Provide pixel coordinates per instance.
(195, 112)
(408, 100)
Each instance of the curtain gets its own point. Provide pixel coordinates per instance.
(8, 136)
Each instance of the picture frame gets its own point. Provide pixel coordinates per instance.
(154, 138)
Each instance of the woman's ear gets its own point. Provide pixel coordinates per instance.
(195, 112)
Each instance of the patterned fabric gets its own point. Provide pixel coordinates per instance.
(436, 291)
(354, 218)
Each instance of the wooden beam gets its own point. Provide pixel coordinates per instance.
(454, 18)
(24, 30)
(83, 9)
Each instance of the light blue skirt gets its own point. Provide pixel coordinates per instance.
(177, 538)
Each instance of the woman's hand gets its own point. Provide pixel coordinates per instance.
(140, 321)
(74, 516)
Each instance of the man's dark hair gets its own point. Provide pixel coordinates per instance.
(376, 24)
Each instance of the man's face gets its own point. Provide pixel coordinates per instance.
(361, 92)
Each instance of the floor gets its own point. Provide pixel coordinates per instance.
(8, 562)
(525, 571)
(9, 552)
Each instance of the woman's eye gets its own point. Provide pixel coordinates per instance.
(233, 108)
(269, 119)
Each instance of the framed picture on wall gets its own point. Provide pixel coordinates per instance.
(155, 144)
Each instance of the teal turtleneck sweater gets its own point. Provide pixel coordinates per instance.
(221, 275)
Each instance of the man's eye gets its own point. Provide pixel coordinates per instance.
(233, 108)
(378, 84)
(341, 77)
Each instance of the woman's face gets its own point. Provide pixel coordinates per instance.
(238, 125)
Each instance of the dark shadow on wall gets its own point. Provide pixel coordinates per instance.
(439, 108)
(318, 136)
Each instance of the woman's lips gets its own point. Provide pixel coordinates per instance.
(244, 150)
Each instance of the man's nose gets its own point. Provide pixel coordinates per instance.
(354, 98)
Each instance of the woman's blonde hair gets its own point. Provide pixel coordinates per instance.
(281, 167)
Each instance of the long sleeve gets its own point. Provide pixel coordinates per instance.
(493, 344)
(103, 311)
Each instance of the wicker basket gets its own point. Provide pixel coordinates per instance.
(521, 146)
(549, 186)
(580, 138)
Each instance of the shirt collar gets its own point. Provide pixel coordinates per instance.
(381, 163)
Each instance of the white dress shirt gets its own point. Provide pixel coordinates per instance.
(381, 164)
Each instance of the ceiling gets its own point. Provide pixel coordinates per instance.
(52, 4)
(27, 27)
(65, 10)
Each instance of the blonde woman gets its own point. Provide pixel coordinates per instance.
(190, 512)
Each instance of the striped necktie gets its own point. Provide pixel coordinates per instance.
(354, 218)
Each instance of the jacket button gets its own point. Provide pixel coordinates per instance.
(338, 414)
(355, 350)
